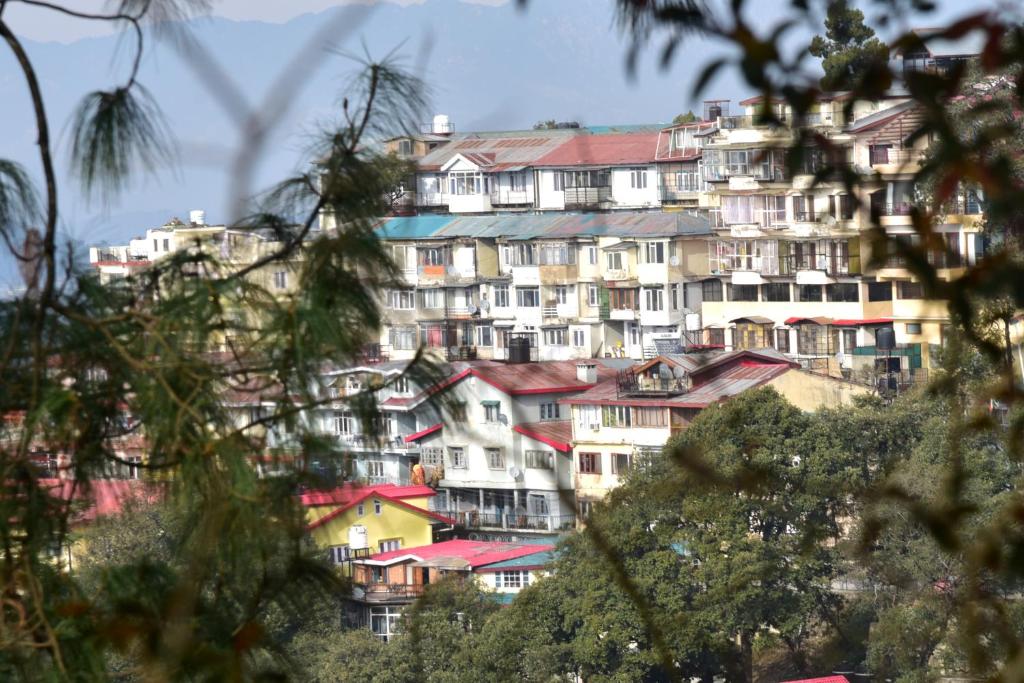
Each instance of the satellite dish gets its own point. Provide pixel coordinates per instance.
(515, 472)
(679, 373)
(485, 305)
(472, 309)
(664, 372)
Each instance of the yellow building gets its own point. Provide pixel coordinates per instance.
(377, 518)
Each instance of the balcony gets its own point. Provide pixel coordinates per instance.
(431, 199)
(587, 197)
(476, 519)
(832, 266)
(676, 193)
(391, 592)
(629, 383)
(891, 156)
(510, 198)
(892, 209)
(747, 121)
(622, 314)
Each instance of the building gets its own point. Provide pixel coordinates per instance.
(572, 286)
(385, 583)
(352, 521)
(624, 422)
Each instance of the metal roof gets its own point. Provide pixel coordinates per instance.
(553, 226)
(603, 150)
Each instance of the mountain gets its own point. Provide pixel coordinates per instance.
(487, 67)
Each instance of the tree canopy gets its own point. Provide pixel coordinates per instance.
(849, 48)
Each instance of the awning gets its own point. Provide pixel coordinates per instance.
(621, 246)
(756, 319)
(814, 321)
(857, 323)
(426, 432)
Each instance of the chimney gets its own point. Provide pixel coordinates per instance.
(586, 371)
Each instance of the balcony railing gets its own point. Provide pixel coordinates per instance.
(969, 206)
(892, 209)
(431, 199)
(509, 197)
(832, 265)
(676, 192)
(118, 255)
(739, 122)
(755, 171)
(892, 156)
(766, 265)
(587, 196)
(381, 592)
(477, 519)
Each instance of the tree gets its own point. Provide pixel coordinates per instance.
(849, 48)
(688, 117)
(85, 366)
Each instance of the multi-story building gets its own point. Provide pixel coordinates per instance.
(624, 421)
(572, 286)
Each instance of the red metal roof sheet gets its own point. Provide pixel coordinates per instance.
(101, 497)
(820, 320)
(599, 150)
(826, 679)
(424, 432)
(379, 491)
(474, 553)
(348, 492)
(857, 322)
(555, 433)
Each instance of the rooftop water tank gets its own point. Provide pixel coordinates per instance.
(197, 217)
(442, 124)
(357, 538)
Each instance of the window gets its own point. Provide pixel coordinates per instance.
(742, 292)
(590, 463)
(621, 462)
(715, 336)
(374, 469)
(344, 423)
(537, 504)
(405, 147)
(403, 338)
(849, 341)
(579, 339)
(492, 411)
(616, 416)
(433, 256)
(846, 207)
(514, 578)
(378, 507)
(280, 279)
(808, 292)
(549, 411)
(638, 178)
(913, 328)
(527, 297)
(879, 291)
(592, 255)
(649, 417)
(593, 295)
(561, 294)
(484, 335)
(557, 254)
(167, 244)
(495, 458)
(674, 293)
(711, 290)
(654, 299)
(540, 460)
(361, 509)
(585, 507)
(466, 182)
(390, 544)
(400, 385)
(909, 290)
(613, 259)
(431, 456)
(555, 336)
(654, 252)
(775, 291)
(501, 296)
(457, 457)
(432, 298)
(842, 291)
(401, 299)
(782, 341)
(385, 621)
(338, 554)
(524, 254)
(622, 299)
(516, 182)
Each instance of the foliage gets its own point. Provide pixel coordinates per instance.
(688, 117)
(849, 47)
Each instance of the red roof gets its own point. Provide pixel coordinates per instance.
(820, 320)
(555, 433)
(389, 492)
(346, 493)
(102, 497)
(474, 553)
(426, 432)
(599, 150)
(826, 679)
